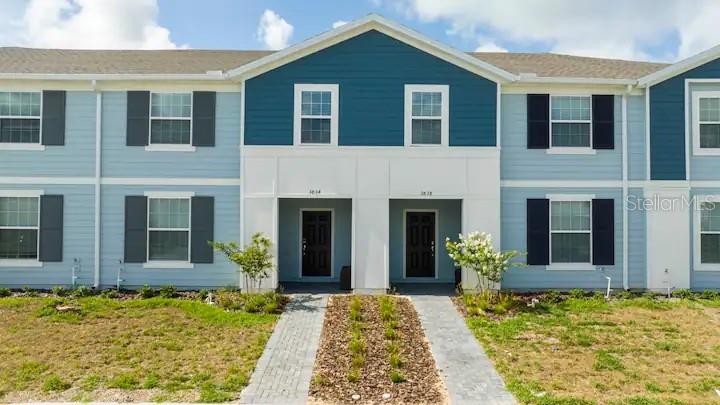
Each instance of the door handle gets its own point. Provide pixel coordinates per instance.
(304, 246)
(432, 247)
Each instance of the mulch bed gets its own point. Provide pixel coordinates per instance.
(330, 383)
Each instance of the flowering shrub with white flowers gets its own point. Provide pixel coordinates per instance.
(475, 252)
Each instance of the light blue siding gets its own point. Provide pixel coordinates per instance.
(520, 163)
(218, 274)
(220, 161)
(371, 70)
(702, 167)
(75, 158)
(637, 236)
(78, 217)
(289, 237)
(514, 229)
(637, 150)
(449, 225)
(701, 280)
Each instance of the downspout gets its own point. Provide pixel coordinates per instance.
(625, 232)
(98, 168)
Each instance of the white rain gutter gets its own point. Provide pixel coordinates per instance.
(625, 248)
(98, 169)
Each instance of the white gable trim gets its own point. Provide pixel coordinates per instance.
(360, 26)
(680, 67)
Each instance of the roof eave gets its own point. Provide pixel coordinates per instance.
(577, 80)
(680, 67)
(112, 76)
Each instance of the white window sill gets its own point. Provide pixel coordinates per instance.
(321, 145)
(170, 148)
(570, 267)
(20, 263)
(570, 151)
(426, 145)
(706, 151)
(169, 264)
(22, 146)
(707, 267)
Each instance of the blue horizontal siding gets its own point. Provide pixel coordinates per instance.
(637, 242)
(78, 244)
(218, 274)
(637, 150)
(514, 237)
(219, 161)
(371, 70)
(75, 158)
(517, 162)
(289, 236)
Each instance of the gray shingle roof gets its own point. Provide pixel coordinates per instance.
(193, 61)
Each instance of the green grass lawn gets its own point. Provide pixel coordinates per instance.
(588, 350)
(126, 349)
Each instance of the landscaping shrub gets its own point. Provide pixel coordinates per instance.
(110, 294)
(83, 291)
(624, 295)
(29, 292)
(60, 291)
(5, 292)
(168, 291)
(710, 295)
(356, 347)
(54, 383)
(552, 297)
(683, 293)
(577, 293)
(147, 292)
(269, 302)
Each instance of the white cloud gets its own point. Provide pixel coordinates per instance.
(490, 47)
(274, 31)
(608, 28)
(109, 24)
(339, 23)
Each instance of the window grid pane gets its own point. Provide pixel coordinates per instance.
(710, 109)
(19, 211)
(315, 130)
(570, 247)
(170, 132)
(18, 243)
(168, 245)
(570, 134)
(710, 135)
(17, 104)
(427, 132)
(426, 104)
(316, 103)
(171, 105)
(19, 130)
(169, 213)
(570, 215)
(572, 108)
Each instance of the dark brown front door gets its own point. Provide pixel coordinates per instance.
(420, 244)
(316, 243)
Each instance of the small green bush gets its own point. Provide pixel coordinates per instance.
(577, 293)
(54, 383)
(60, 291)
(110, 294)
(5, 292)
(683, 293)
(269, 302)
(203, 294)
(624, 295)
(710, 295)
(124, 382)
(83, 291)
(146, 292)
(29, 292)
(397, 377)
(168, 291)
(552, 297)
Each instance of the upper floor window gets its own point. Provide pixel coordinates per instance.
(20, 117)
(316, 114)
(426, 114)
(570, 121)
(171, 119)
(19, 227)
(706, 122)
(169, 229)
(570, 232)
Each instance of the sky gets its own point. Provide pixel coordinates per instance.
(657, 30)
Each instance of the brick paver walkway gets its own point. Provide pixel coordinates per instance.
(283, 372)
(468, 374)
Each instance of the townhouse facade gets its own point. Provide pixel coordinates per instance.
(363, 147)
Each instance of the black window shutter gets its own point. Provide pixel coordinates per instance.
(51, 228)
(538, 231)
(603, 231)
(203, 133)
(138, 118)
(603, 121)
(53, 117)
(538, 121)
(203, 229)
(135, 229)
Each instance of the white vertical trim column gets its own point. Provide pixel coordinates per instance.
(688, 121)
(625, 192)
(647, 133)
(241, 237)
(98, 169)
(498, 116)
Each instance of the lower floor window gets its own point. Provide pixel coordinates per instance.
(710, 233)
(19, 227)
(169, 229)
(570, 232)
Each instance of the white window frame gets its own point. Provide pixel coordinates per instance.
(444, 91)
(584, 266)
(25, 146)
(165, 147)
(697, 150)
(570, 150)
(334, 90)
(168, 264)
(698, 265)
(24, 262)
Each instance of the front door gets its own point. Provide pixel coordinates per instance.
(316, 243)
(420, 244)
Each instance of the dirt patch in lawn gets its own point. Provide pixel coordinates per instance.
(330, 383)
